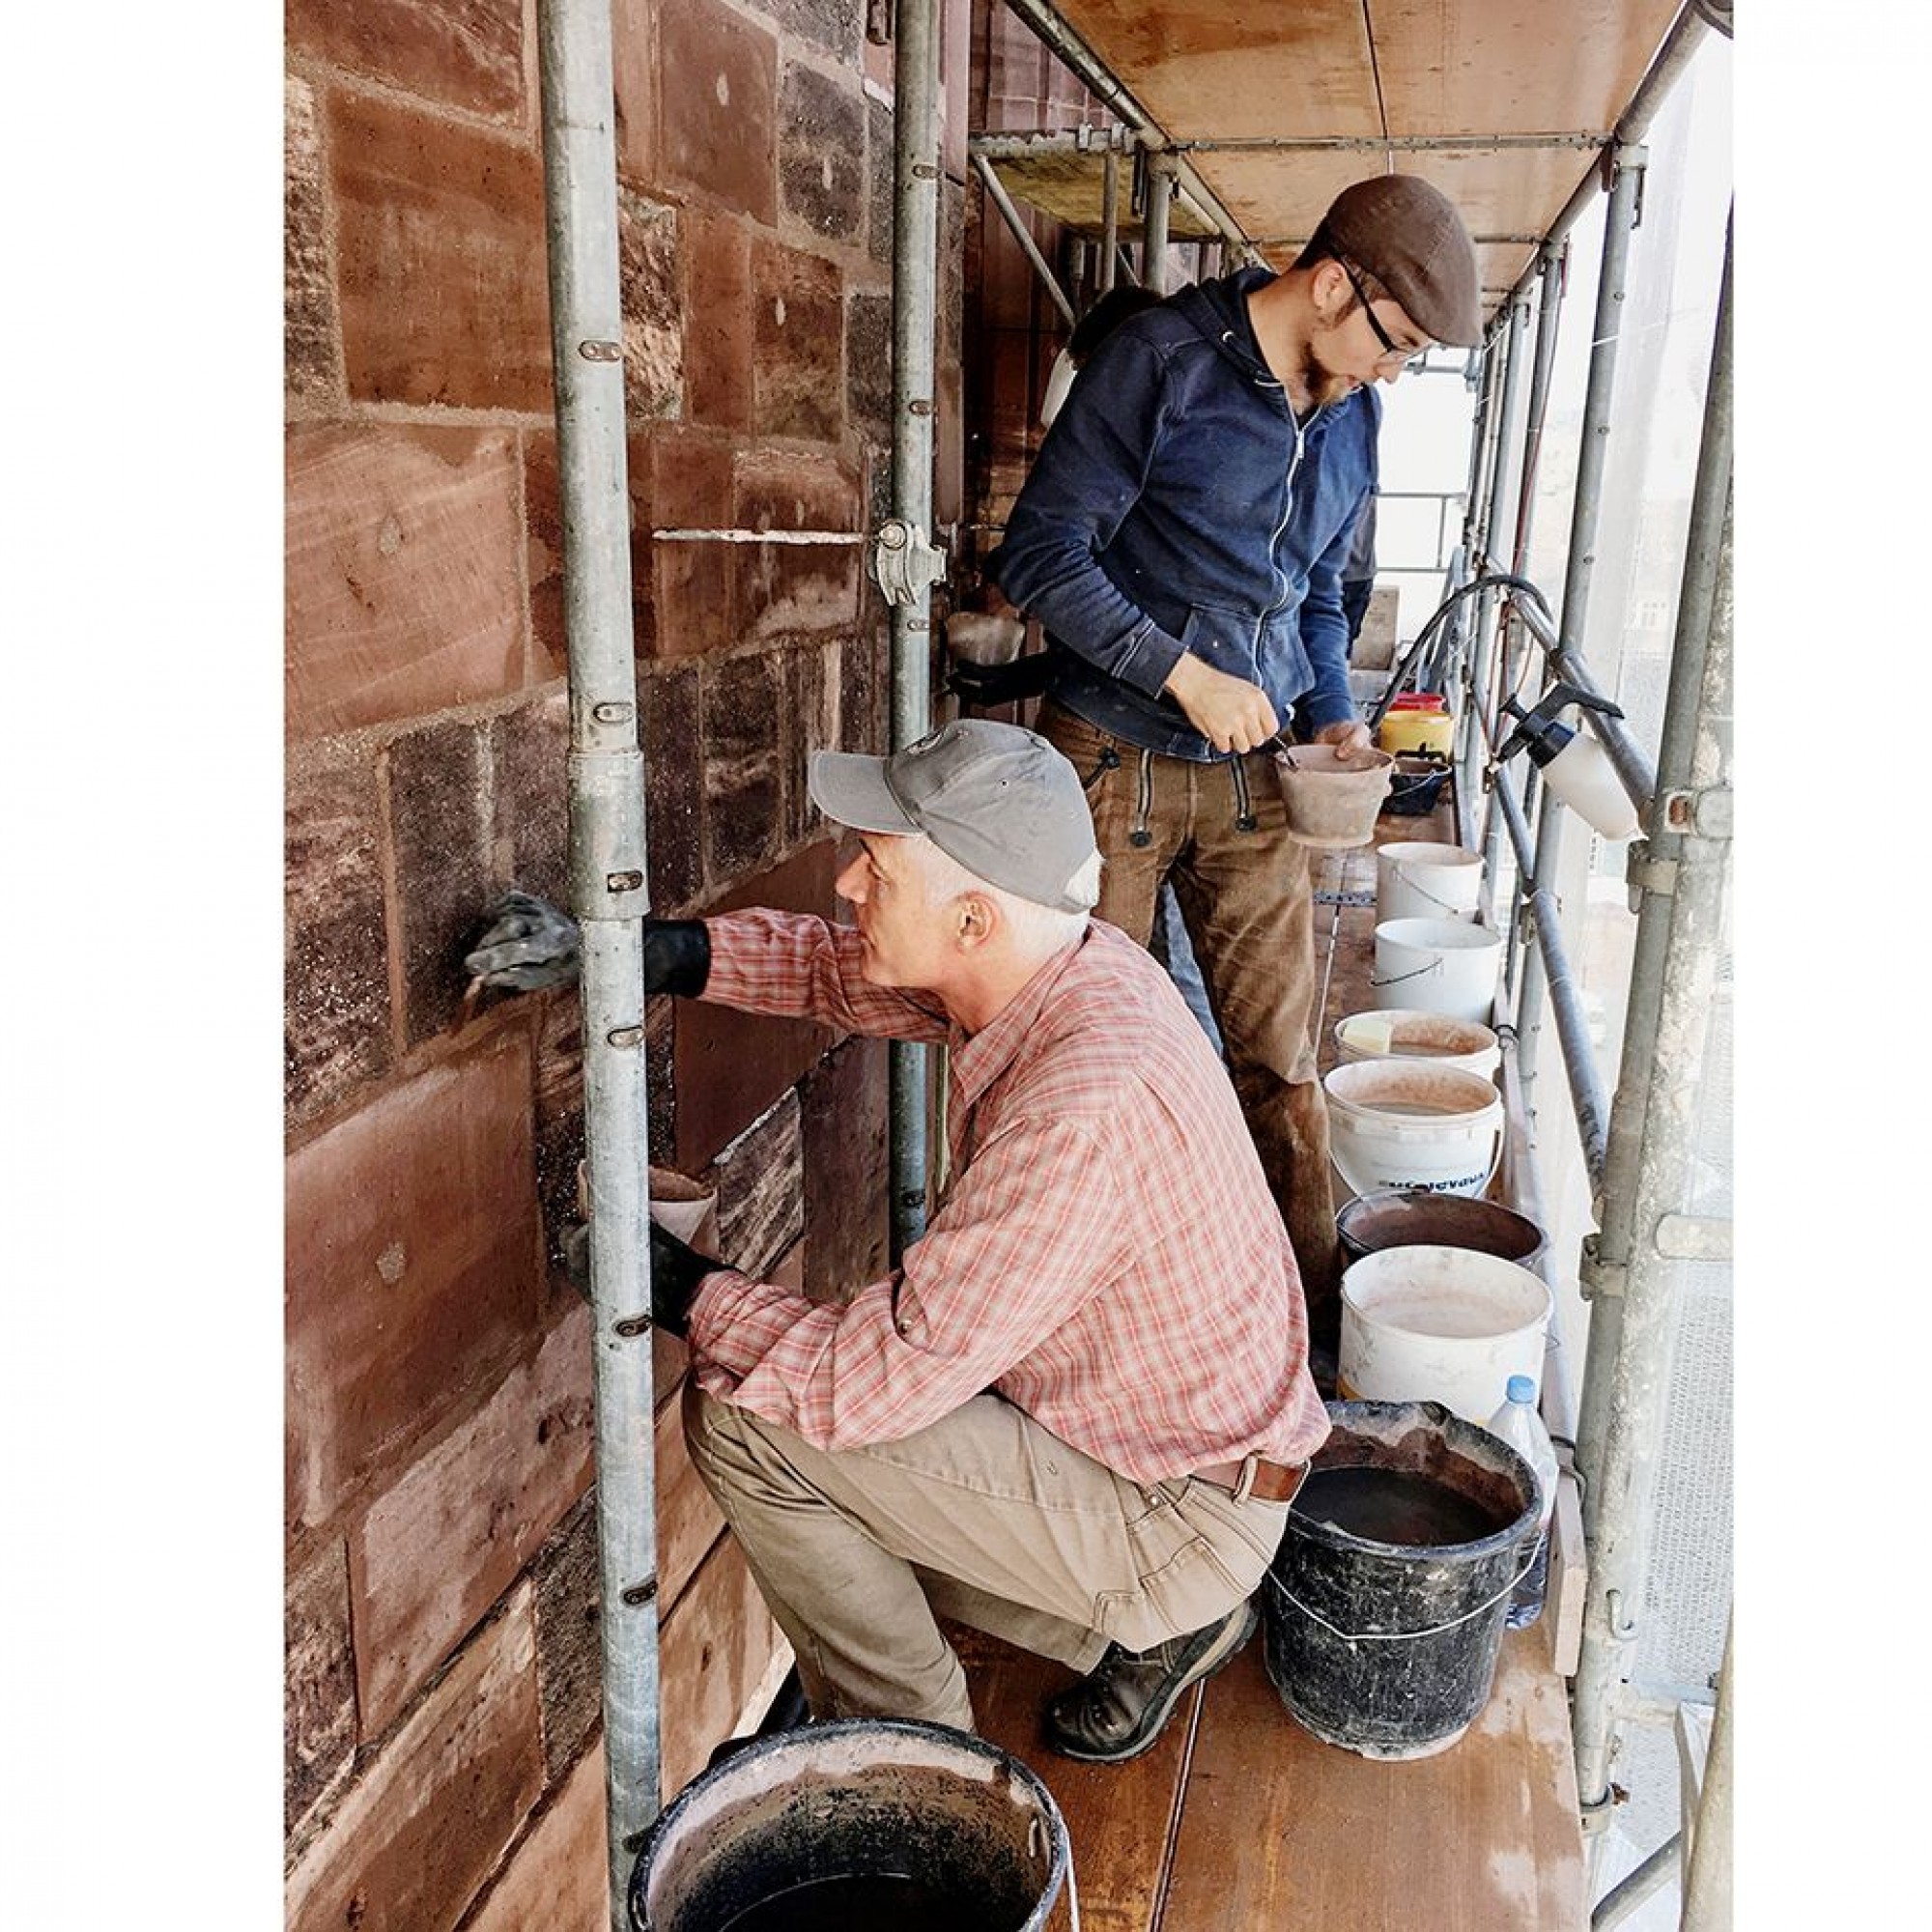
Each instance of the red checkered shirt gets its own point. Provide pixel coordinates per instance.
(1108, 1256)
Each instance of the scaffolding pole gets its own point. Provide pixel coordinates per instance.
(1630, 1268)
(607, 883)
(916, 177)
(1154, 233)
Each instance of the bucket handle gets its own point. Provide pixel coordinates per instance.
(1406, 1636)
(1396, 980)
(1416, 884)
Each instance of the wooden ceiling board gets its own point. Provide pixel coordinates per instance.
(1071, 187)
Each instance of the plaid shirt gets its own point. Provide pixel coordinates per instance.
(1108, 1256)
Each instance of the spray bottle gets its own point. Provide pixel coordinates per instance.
(1574, 765)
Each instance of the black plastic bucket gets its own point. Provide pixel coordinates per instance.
(862, 1824)
(1409, 1217)
(1388, 1648)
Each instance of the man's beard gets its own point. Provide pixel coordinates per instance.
(1320, 384)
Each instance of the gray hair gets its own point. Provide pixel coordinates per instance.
(1040, 928)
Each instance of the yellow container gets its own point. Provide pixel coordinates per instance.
(1408, 731)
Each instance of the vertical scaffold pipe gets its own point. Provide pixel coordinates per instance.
(607, 890)
(916, 177)
(1628, 1272)
(1587, 516)
(1498, 510)
(1153, 234)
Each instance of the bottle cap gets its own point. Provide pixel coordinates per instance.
(1520, 1388)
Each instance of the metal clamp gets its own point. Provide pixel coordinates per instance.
(1704, 815)
(904, 565)
(1596, 1276)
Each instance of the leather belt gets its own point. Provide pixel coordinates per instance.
(1271, 1483)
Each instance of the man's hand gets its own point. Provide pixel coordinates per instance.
(1351, 739)
(1232, 714)
(526, 945)
(676, 1273)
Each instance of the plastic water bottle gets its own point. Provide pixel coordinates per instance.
(1520, 1425)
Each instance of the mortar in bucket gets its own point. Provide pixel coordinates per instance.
(1407, 1032)
(858, 1825)
(1331, 803)
(1427, 1324)
(1386, 1599)
(1410, 1218)
(1440, 965)
(1416, 878)
(1409, 1124)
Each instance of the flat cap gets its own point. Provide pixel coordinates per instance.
(1409, 237)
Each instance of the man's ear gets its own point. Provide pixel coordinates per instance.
(1331, 289)
(975, 919)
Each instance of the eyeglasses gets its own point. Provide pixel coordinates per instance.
(1393, 351)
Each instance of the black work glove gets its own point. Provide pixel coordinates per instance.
(527, 945)
(677, 1269)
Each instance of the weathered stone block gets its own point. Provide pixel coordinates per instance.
(811, 725)
(492, 1488)
(559, 1121)
(570, 1663)
(759, 1177)
(440, 246)
(862, 687)
(838, 25)
(690, 489)
(312, 369)
(822, 153)
(717, 128)
(868, 361)
(336, 943)
(843, 1122)
(411, 1246)
(543, 555)
(730, 1067)
(744, 795)
(647, 267)
(445, 877)
(879, 191)
(784, 591)
(674, 785)
(717, 320)
(469, 55)
(434, 1810)
(530, 833)
(800, 379)
(555, 1880)
(401, 588)
(635, 70)
(318, 1682)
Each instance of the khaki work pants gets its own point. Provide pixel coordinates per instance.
(1220, 833)
(984, 1518)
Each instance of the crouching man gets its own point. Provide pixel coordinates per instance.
(1076, 1413)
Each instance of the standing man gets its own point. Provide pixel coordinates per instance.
(1181, 538)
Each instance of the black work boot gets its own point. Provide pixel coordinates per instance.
(1117, 1709)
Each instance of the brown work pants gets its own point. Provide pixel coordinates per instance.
(1219, 832)
(984, 1518)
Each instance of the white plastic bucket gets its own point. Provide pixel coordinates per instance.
(1407, 1124)
(1438, 965)
(1407, 1032)
(1415, 879)
(1440, 1325)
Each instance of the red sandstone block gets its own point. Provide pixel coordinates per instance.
(470, 56)
(634, 69)
(844, 1105)
(439, 1547)
(868, 362)
(653, 303)
(879, 164)
(835, 25)
(401, 581)
(744, 778)
(690, 489)
(720, 1649)
(439, 252)
(716, 134)
(732, 1067)
(439, 1803)
(822, 153)
(674, 785)
(955, 70)
(786, 590)
(717, 320)
(799, 381)
(411, 1266)
(811, 725)
(555, 1880)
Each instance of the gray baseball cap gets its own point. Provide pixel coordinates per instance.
(997, 798)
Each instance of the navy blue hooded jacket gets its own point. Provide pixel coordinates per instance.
(1176, 506)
